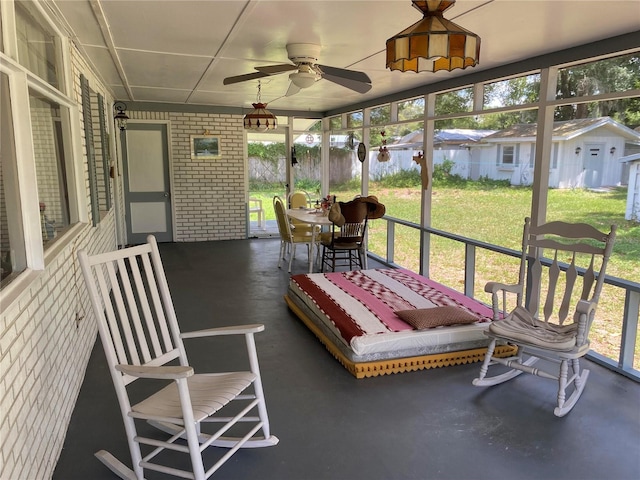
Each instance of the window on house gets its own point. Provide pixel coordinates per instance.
(51, 167)
(36, 44)
(12, 251)
(508, 154)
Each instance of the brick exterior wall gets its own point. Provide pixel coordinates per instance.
(43, 349)
(208, 195)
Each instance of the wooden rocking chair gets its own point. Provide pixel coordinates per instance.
(554, 336)
(142, 340)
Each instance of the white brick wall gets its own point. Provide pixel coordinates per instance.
(208, 195)
(43, 356)
(44, 351)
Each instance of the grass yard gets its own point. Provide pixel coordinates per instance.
(495, 215)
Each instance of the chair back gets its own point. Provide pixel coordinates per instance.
(355, 218)
(281, 217)
(298, 199)
(577, 255)
(133, 307)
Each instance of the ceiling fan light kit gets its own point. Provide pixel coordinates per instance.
(434, 43)
(303, 79)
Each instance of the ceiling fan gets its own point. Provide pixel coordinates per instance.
(304, 57)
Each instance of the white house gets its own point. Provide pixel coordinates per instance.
(585, 153)
(449, 144)
(633, 194)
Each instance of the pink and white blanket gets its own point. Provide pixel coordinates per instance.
(359, 307)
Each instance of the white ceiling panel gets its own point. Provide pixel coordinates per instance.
(103, 63)
(172, 71)
(161, 95)
(169, 47)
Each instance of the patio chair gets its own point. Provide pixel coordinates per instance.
(344, 244)
(143, 345)
(299, 199)
(289, 237)
(255, 206)
(559, 333)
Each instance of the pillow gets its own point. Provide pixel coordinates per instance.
(421, 318)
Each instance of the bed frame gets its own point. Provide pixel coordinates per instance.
(375, 368)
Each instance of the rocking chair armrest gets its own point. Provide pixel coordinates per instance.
(585, 307)
(494, 287)
(148, 371)
(233, 330)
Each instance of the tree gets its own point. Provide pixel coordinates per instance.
(617, 74)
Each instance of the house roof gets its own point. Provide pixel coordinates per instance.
(565, 130)
(450, 136)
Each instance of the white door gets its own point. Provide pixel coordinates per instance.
(146, 182)
(593, 165)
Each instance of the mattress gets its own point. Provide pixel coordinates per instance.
(355, 312)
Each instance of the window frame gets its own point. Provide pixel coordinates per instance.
(502, 154)
(25, 199)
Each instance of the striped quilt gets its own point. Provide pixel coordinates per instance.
(360, 305)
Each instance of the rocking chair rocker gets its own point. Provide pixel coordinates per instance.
(142, 340)
(554, 336)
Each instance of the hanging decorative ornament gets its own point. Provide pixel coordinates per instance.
(424, 172)
(383, 152)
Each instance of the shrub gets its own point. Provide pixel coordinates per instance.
(401, 179)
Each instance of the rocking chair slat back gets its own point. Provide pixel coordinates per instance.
(134, 309)
(573, 253)
(563, 278)
(140, 334)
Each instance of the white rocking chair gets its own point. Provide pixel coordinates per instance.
(556, 336)
(142, 340)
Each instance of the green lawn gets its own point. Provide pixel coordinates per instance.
(495, 214)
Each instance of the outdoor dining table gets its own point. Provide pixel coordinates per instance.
(312, 217)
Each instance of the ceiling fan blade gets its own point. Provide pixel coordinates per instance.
(355, 85)
(344, 73)
(292, 90)
(244, 78)
(275, 69)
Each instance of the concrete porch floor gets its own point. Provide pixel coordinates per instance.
(431, 424)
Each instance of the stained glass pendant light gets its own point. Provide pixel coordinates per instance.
(434, 43)
(260, 118)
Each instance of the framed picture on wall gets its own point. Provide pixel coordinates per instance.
(205, 147)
